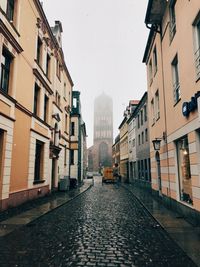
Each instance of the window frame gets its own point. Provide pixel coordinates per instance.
(172, 17)
(39, 51)
(72, 157)
(157, 105)
(155, 60)
(5, 70)
(72, 128)
(39, 172)
(175, 79)
(196, 30)
(46, 108)
(10, 10)
(36, 102)
(48, 66)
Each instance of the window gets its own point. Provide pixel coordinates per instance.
(139, 170)
(146, 135)
(175, 76)
(139, 140)
(66, 124)
(150, 72)
(10, 10)
(48, 65)
(155, 62)
(145, 113)
(142, 137)
(39, 51)
(152, 111)
(65, 91)
(133, 142)
(145, 170)
(57, 99)
(39, 155)
(138, 119)
(141, 116)
(58, 69)
(75, 103)
(172, 19)
(183, 158)
(72, 157)
(149, 169)
(196, 26)
(36, 100)
(157, 105)
(6, 61)
(2, 138)
(46, 108)
(142, 169)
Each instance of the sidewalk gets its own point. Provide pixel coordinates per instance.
(185, 235)
(28, 212)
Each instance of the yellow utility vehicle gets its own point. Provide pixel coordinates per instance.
(108, 175)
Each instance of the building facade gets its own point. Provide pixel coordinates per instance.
(173, 73)
(78, 141)
(103, 132)
(35, 100)
(124, 141)
(116, 151)
(142, 167)
(123, 147)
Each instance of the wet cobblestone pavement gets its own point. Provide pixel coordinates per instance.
(105, 226)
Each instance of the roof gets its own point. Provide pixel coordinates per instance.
(122, 123)
(150, 40)
(43, 15)
(145, 95)
(134, 102)
(154, 15)
(155, 11)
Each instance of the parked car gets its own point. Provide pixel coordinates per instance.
(89, 175)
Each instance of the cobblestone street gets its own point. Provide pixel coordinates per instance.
(105, 226)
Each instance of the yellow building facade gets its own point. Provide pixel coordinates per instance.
(173, 72)
(35, 102)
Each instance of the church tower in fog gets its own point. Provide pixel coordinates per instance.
(103, 132)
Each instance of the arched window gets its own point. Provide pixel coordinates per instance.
(104, 158)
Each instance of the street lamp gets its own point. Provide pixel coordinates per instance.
(156, 144)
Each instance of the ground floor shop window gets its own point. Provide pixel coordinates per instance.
(184, 170)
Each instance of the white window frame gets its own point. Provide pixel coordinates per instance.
(175, 79)
(196, 30)
(172, 16)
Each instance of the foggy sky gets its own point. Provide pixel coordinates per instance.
(103, 43)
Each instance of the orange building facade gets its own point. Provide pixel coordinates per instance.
(35, 103)
(172, 57)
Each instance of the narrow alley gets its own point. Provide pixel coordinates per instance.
(105, 226)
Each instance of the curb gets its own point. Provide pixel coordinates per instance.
(160, 225)
(69, 200)
(32, 223)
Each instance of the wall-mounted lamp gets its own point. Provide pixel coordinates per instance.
(156, 144)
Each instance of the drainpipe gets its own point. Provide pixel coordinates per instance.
(165, 115)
